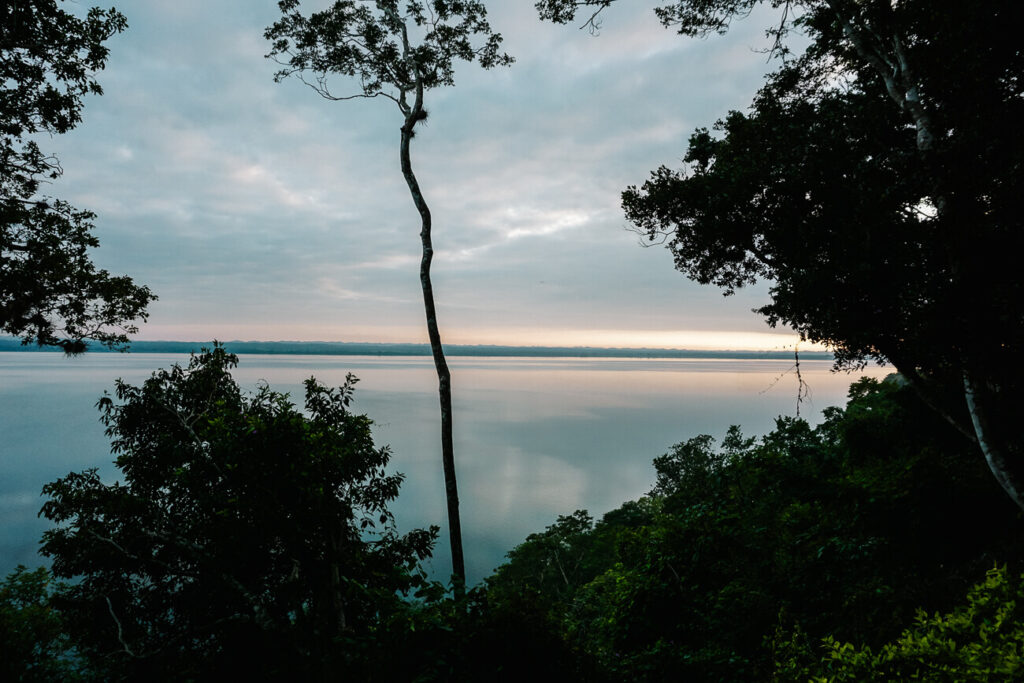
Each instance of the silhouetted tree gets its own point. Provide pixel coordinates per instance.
(876, 183)
(34, 645)
(51, 294)
(846, 529)
(373, 45)
(245, 539)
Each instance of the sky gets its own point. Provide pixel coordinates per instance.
(260, 211)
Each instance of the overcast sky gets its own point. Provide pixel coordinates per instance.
(260, 211)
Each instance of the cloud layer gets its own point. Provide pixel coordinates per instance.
(257, 210)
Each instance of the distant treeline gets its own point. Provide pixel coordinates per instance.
(315, 348)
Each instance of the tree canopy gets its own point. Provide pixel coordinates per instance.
(51, 293)
(34, 644)
(977, 641)
(397, 50)
(244, 536)
(374, 46)
(874, 183)
(806, 552)
(840, 532)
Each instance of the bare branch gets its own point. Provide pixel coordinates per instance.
(321, 90)
(650, 238)
(778, 49)
(803, 390)
(113, 543)
(120, 629)
(593, 22)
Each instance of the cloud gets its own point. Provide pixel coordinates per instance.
(249, 205)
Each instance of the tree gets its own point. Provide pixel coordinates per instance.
(875, 183)
(245, 537)
(374, 46)
(34, 645)
(846, 530)
(977, 641)
(51, 294)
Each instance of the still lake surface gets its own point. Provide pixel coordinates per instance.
(534, 437)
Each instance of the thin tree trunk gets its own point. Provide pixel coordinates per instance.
(998, 454)
(444, 377)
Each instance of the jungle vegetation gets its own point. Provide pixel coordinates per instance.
(247, 536)
(874, 181)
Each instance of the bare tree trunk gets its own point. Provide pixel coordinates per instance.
(999, 453)
(444, 377)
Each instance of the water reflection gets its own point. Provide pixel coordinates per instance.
(534, 437)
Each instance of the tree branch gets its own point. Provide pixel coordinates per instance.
(120, 629)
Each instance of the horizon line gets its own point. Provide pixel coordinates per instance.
(419, 348)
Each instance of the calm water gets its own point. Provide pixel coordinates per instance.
(534, 437)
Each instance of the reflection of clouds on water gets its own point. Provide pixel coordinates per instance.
(534, 438)
(510, 493)
(19, 529)
(513, 485)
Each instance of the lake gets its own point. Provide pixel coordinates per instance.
(534, 437)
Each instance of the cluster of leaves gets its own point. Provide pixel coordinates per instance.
(34, 644)
(844, 530)
(50, 291)
(755, 205)
(981, 640)
(245, 538)
(372, 44)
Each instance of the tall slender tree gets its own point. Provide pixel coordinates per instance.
(371, 43)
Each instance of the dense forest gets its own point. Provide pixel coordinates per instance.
(247, 538)
(874, 183)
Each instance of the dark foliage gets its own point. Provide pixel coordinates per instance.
(51, 294)
(373, 46)
(246, 538)
(978, 641)
(34, 644)
(875, 183)
(843, 530)
(237, 545)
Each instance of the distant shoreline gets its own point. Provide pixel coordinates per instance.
(315, 348)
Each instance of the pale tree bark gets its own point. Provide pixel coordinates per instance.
(1002, 452)
(886, 54)
(890, 62)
